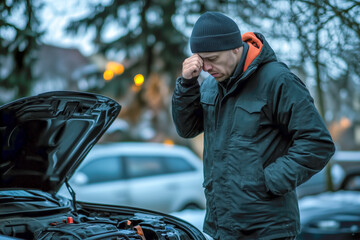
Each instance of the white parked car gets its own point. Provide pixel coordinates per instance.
(343, 162)
(155, 176)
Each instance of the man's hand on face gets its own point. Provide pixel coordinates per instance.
(192, 66)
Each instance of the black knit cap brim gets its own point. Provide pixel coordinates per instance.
(214, 32)
(216, 43)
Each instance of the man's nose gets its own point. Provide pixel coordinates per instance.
(206, 66)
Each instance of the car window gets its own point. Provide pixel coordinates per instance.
(103, 170)
(139, 166)
(178, 164)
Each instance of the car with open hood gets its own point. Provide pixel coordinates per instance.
(44, 139)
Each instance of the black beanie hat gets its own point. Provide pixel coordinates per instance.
(215, 32)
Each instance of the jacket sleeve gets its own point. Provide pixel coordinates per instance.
(310, 146)
(186, 108)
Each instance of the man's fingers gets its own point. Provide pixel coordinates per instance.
(195, 58)
(192, 69)
(193, 62)
(192, 66)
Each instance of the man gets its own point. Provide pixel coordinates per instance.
(263, 136)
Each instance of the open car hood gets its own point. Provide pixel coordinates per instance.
(45, 137)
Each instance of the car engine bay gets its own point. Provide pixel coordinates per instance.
(37, 217)
(82, 227)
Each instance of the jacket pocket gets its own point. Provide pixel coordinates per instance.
(245, 171)
(247, 117)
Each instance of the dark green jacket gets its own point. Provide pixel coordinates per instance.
(262, 139)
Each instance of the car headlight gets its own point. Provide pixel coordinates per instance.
(328, 224)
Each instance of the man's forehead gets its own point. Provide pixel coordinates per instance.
(209, 54)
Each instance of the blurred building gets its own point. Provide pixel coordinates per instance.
(59, 68)
(55, 68)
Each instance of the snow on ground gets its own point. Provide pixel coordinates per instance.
(193, 216)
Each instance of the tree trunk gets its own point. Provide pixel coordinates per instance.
(329, 181)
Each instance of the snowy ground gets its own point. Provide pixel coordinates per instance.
(193, 216)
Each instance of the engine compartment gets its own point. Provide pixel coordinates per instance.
(39, 215)
(80, 226)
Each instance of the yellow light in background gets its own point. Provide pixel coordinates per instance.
(108, 75)
(139, 80)
(119, 69)
(345, 122)
(168, 142)
(115, 67)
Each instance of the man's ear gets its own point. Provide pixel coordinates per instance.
(236, 50)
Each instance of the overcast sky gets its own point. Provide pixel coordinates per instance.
(55, 16)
